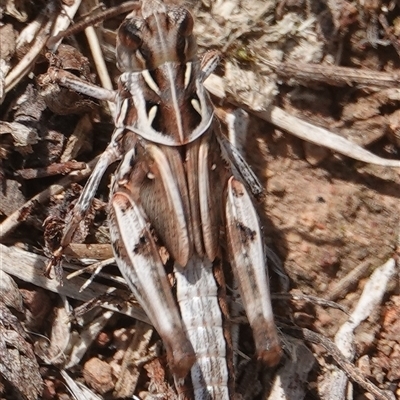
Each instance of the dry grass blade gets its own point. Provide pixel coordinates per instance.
(30, 267)
(97, 54)
(306, 131)
(79, 391)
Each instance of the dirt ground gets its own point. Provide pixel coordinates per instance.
(325, 216)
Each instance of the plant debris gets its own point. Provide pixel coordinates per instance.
(326, 72)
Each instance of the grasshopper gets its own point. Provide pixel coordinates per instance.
(178, 185)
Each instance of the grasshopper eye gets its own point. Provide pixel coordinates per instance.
(185, 42)
(186, 24)
(129, 34)
(183, 20)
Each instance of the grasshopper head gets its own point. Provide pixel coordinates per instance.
(156, 35)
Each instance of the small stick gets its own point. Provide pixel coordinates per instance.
(98, 58)
(334, 75)
(72, 82)
(135, 355)
(26, 63)
(340, 289)
(96, 269)
(29, 267)
(86, 338)
(53, 169)
(13, 220)
(351, 370)
(370, 300)
(322, 137)
(310, 299)
(64, 20)
(304, 130)
(81, 25)
(96, 251)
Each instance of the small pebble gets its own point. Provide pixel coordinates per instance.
(98, 375)
(276, 187)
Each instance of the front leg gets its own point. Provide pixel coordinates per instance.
(139, 261)
(246, 252)
(72, 82)
(110, 155)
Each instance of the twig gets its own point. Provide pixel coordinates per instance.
(334, 75)
(352, 371)
(341, 288)
(370, 299)
(98, 58)
(64, 20)
(81, 25)
(27, 62)
(96, 268)
(290, 380)
(91, 268)
(322, 137)
(70, 81)
(53, 169)
(29, 267)
(136, 354)
(95, 251)
(310, 299)
(13, 220)
(305, 130)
